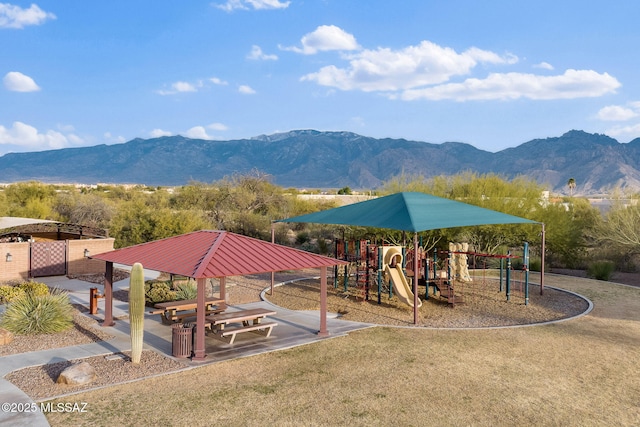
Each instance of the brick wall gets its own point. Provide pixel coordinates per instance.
(18, 267)
(77, 263)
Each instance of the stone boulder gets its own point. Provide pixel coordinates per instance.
(78, 374)
(5, 336)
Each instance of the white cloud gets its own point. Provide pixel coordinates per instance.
(75, 139)
(544, 66)
(325, 38)
(572, 84)
(618, 113)
(232, 5)
(187, 87)
(113, 139)
(217, 81)
(28, 137)
(200, 132)
(18, 82)
(157, 133)
(179, 87)
(217, 126)
(197, 132)
(385, 69)
(12, 16)
(65, 128)
(625, 132)
(246, 90)
(258, 55)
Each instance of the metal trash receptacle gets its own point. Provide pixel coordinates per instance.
(181, 340)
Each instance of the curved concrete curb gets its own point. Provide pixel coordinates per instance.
(525, 325)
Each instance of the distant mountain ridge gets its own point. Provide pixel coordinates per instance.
(315, 159)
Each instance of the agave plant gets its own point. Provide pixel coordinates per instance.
(38, 314)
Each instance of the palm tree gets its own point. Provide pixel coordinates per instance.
(572, 184)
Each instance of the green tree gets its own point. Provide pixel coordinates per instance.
(572, 185)
(85, 209)
(137, 223)
(620, 229)
(30, 199)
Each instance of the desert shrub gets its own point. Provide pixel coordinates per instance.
(323, 246)
(302, 238)
(516, 264)
(32, 314)
(186, 290)
(309, 246)
(156, 291)
(535, 264)
(34, 288)
(8, 293)
(601, 270)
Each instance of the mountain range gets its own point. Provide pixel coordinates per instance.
(315, 159)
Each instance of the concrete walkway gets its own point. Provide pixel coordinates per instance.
(294, 328)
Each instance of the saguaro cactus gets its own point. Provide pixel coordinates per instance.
(136, 310)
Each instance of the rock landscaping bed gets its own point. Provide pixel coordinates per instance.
(40, 382)
(85, 330)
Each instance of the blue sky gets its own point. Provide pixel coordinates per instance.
(492, 74)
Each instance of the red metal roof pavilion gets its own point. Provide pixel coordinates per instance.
(214, 254)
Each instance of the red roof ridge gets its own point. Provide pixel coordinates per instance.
(204, 262)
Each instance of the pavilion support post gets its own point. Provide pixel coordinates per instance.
(323, 332)
(108, 295)
(542, 251)
(223, 289)
(273, 240)
(415, 278)
(201, 312)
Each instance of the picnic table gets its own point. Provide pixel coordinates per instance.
(248, 320)
(176, 311)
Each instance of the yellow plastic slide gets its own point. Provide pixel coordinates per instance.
(400, 285)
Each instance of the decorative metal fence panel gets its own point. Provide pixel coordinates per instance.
(48, 258)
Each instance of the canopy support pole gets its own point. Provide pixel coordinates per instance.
(415, 278)
(273, 240)
(323, 332)
(542, 251)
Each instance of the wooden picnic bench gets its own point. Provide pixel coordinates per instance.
(177, 311)
(250, 321)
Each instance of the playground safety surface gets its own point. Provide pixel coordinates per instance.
(483, 305)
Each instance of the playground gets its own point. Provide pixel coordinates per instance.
(457, 288)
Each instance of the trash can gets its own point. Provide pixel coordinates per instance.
(181, 340)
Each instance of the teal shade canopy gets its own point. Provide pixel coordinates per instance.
(410, 211)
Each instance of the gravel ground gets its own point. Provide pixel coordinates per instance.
(39, 382)
(85, 330)
(483, 306)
